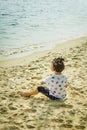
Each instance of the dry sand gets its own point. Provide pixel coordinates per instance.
(40, 113)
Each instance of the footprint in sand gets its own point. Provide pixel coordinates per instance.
(84, 118)
(66, 125)
(30, 126)
(72, 112)
(3, 98)
(12, 107)
(3, 110)
(66, 105)
(81, 127)
(33, 68)
(85, 104)
(13, 127)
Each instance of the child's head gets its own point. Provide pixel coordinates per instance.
(58, 64)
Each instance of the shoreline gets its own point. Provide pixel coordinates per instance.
(34, 56)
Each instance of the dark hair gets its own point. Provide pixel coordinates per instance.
(58, 64)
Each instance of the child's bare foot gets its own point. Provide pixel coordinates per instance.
(25, 94)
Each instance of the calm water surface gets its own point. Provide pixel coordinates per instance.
(27, 26)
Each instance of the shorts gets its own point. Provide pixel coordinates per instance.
(45, 92)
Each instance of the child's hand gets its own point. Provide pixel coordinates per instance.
(42, 82)
(66, 86)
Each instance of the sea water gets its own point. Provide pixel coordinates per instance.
(28, 26)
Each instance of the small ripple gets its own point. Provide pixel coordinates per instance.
(13, 24)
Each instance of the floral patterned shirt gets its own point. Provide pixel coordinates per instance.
(57, 85)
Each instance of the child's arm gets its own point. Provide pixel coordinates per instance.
(46, 81)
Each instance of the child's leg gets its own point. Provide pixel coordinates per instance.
(27, 94)
(45, 91)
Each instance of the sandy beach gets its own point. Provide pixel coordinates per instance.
(40, 113)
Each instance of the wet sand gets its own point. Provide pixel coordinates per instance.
(39, 113)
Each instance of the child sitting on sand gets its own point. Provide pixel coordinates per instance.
(57, 83)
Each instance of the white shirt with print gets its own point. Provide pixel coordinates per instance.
(57, 85)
